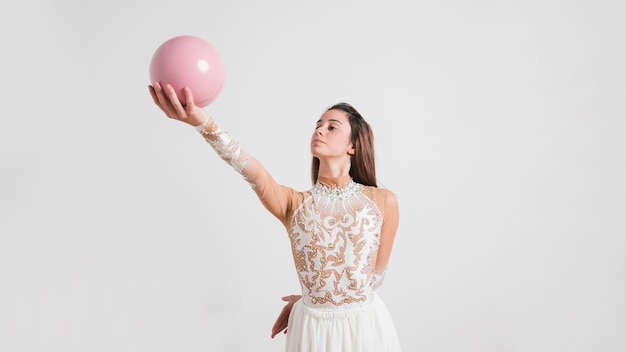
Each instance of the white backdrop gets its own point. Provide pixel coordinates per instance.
(500, 125)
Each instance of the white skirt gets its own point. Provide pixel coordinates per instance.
(363, 329)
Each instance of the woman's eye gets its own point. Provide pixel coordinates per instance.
(330, 128)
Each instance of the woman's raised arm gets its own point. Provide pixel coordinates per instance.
(276, 198)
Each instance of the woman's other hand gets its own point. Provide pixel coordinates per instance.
(283, 318)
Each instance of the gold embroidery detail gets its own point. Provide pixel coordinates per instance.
(334, 238)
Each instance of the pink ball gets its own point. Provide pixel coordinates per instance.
(188, 61)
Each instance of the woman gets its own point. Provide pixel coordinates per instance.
(341, 230)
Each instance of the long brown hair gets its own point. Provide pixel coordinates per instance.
(362, 165)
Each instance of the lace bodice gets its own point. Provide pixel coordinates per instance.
(340, 231)
(335, 235)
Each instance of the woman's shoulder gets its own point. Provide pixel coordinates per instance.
(382, 196)
(381, 190)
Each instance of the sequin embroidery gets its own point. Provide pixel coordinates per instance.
(227, 148)
(335, 234)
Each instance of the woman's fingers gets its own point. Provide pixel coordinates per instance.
(179, 110)
(166, 99)
(154, 96)
(280, 324)
(291, 298)
(163, 101)
(189, 100)
(282, 321)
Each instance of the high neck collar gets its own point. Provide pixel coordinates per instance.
(335, 182)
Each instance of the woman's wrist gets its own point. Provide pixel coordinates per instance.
(208, 126)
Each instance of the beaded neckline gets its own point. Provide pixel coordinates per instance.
(333, 192)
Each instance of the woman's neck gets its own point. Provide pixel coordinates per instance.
(334, 174)
(338, 168)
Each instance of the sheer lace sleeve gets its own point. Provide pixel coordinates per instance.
(279, 200)
(229, 150)
(377, 279)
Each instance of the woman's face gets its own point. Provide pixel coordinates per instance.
(331, 138)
